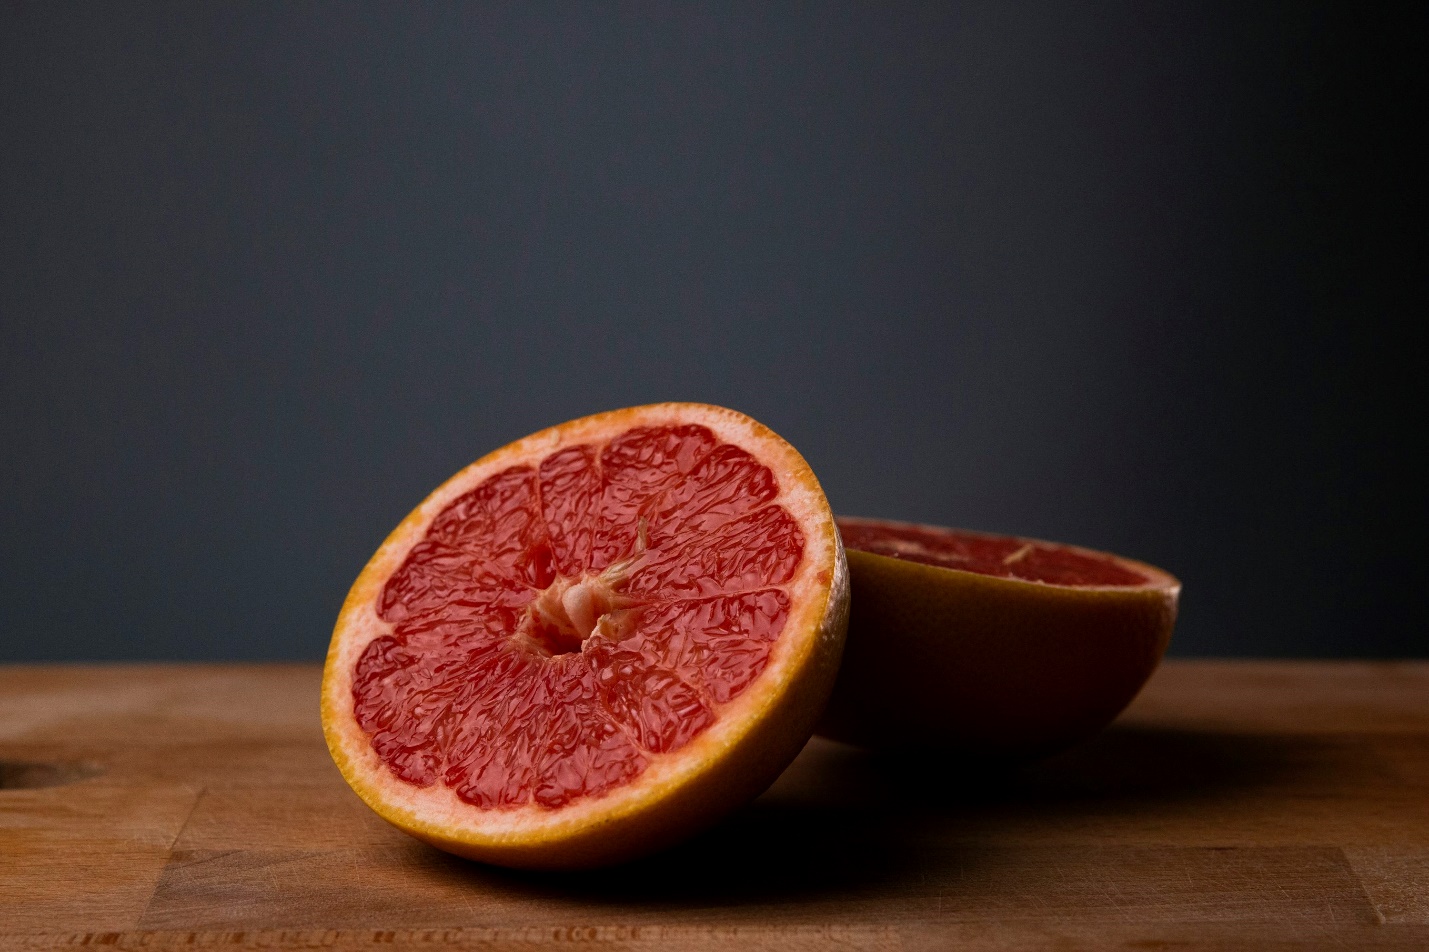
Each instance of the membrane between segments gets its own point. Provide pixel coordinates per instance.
(458, 694)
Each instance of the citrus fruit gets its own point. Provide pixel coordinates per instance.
(591, 642)
(991, 645)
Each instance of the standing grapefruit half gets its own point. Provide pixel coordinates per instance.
(995, 646)
(591, 642)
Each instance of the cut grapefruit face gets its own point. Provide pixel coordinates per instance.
(1009, 557)
(591, 642)
(1022, 647)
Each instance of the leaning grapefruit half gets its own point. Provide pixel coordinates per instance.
(996, 646)
(591, 642)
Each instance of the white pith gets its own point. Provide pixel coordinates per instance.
(819, 579)
(577, 607)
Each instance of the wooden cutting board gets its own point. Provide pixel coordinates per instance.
(1236, 805)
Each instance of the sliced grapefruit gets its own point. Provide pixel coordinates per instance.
(991, 645)
(592, 642)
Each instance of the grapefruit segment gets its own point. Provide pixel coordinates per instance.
(592, 641)
(995, 646)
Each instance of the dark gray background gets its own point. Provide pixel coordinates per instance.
(1123, 275)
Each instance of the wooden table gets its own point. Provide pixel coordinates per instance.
(1236, 805)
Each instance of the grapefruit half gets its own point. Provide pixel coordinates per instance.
(995, 646)
(591, 642)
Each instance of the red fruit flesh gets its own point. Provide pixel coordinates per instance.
(560, 622)
(998, 556)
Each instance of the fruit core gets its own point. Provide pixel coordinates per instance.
(570, 619)
(999, 556)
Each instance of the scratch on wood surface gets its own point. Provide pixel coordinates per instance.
(188, 817)
(1395, 880)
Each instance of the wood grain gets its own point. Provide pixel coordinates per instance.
(1236, 805)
